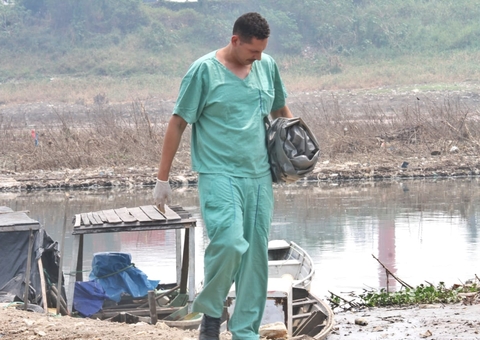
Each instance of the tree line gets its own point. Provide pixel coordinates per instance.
(299, 28)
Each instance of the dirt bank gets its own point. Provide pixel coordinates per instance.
(367, 168)
(435, 322)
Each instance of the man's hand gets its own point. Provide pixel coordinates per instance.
(162, 194)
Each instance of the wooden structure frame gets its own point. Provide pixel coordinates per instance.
(12, 221)
(141, 218)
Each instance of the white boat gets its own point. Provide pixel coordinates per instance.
(291, 310)
(289, 259)
(290, 273)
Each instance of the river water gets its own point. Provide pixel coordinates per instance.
(423, 231)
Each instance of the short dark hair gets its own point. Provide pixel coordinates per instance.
(251, 25)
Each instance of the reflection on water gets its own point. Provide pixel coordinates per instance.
(420, 230)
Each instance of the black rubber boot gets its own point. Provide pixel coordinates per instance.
(210, 328)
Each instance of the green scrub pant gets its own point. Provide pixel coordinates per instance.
(237, 213)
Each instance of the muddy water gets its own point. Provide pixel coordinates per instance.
(422, 231)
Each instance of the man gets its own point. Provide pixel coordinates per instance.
(225, 95)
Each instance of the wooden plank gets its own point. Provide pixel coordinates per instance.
(19, 228)
(122, 227)
(180, 211)
(152, 303)
(78, 221)
(171, 215)
(153, 212)
(313, 320)
(43, 285)
(85, 219)
(97, 218)
(112, 216)
(303, 302)
(102, 216)
(125, 215)
(139, 214)
(107, 313)
(92, 219)
(17, 218)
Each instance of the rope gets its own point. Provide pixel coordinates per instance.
(73, 273)
(118, 271)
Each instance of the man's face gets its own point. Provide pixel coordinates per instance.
(247, 52)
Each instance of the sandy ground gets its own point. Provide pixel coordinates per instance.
(20, 324)
(435, 322)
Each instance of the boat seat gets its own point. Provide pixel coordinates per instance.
(291, 262)
(278, 244)
(279, 268)
(303, 302)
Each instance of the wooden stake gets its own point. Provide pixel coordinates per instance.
(42, 283)
(153, 306)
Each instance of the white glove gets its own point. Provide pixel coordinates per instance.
(162, 194)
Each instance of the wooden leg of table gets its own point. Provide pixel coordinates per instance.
(73, 267)
(60, 267)
(289, 312)
(178, 254)
(185, 258)
(79, 269)
(191, 265)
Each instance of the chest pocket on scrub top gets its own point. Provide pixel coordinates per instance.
(265, 97)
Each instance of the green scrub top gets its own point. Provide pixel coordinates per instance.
(226, 113)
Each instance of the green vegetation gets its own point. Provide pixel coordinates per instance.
(71, 50)
(422, 294)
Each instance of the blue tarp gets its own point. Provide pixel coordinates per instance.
(88, 298)
(117, 275)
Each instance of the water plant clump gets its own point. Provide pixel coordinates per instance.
(408, 296)
(422, 294)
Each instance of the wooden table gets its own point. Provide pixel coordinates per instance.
(141, 218)
(16, 221)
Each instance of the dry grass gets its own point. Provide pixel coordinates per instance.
(133, 136)
(372, 132)
(101, 137)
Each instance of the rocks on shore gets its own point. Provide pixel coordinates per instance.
(369, 169)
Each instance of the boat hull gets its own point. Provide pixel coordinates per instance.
(288, 259)
(291, 310)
